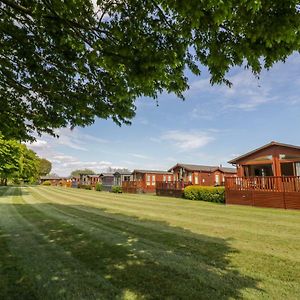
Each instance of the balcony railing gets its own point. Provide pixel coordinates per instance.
(268, 183)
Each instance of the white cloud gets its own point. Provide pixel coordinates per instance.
(186, 141)
(38, 144)
(246, 93)
(74, 139)
(140, 156)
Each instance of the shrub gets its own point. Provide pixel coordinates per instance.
(116, 189)
(47, 182)
(98, 187)
(85, 186)
(205, 193)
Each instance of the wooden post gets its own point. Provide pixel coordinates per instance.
(276, 163)
(277, 172)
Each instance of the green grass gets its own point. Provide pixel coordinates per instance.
(58, 243)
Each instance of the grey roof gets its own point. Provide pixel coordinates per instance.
(203, 168)
(94, 175)
(235, 160)
(106, 174)
(152, 171)
(123, 172)
(227, 170)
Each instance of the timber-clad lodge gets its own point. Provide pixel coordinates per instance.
(268, 176)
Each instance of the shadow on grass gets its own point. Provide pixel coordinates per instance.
(135, 258)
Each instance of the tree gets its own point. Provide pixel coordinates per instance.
(84, 172)
(10, 153)
(113, 170)
(45, 167)
(29, 165)
(17, 162)
(63, 63)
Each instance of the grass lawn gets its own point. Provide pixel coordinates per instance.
(58, 243)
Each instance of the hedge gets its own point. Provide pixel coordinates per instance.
(47, 183)
(98, 187)
(116, 189)
(205, 193)
(84, 186)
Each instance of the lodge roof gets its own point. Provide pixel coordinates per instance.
(271, 144)
(123, 172)
(152, 172)
(106, 174)
(203, 168)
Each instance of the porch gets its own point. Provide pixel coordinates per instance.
(269, 191)
(137, 187)
(171, 189)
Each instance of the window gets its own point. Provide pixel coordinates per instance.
(196, 180)
(289, 157)
(164, 178)
(153, 179)
(262, 158)
(169, 178)
(288, 169)
(217, 179)
(190, 177)
(148, 180)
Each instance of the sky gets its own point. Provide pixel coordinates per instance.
(213, 125)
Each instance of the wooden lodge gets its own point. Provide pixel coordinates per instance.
(201, 175)
(107, 181)
(121, 176)
(144, 181)
(89, 179)
(55, 180)
(267, 177)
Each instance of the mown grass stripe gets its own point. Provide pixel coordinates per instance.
(209, 221)
(53, 272)
(136, 262)
(146, 199)
(185, 206)
(138, 248)
(250, 253)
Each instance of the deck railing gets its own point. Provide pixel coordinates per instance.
(171, 185)
(267, 183)
(132, 184)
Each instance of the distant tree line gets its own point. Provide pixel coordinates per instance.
(19, 164)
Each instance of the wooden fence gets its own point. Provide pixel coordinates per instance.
(172, 189)
(271, 191)
(136, 187)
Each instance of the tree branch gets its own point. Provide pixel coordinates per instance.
(16, 6)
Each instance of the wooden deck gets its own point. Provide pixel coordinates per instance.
(171, 189)
(137, 187)
(276, 192)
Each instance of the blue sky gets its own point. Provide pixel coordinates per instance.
(213, 125)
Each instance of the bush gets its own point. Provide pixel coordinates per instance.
(47, 183)
(98, 187)
(85, 186)
(116, 189)
(205, 193)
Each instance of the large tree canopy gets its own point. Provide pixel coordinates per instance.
(45, 166)
(63, 63)
(83, 172)
(17, 162)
